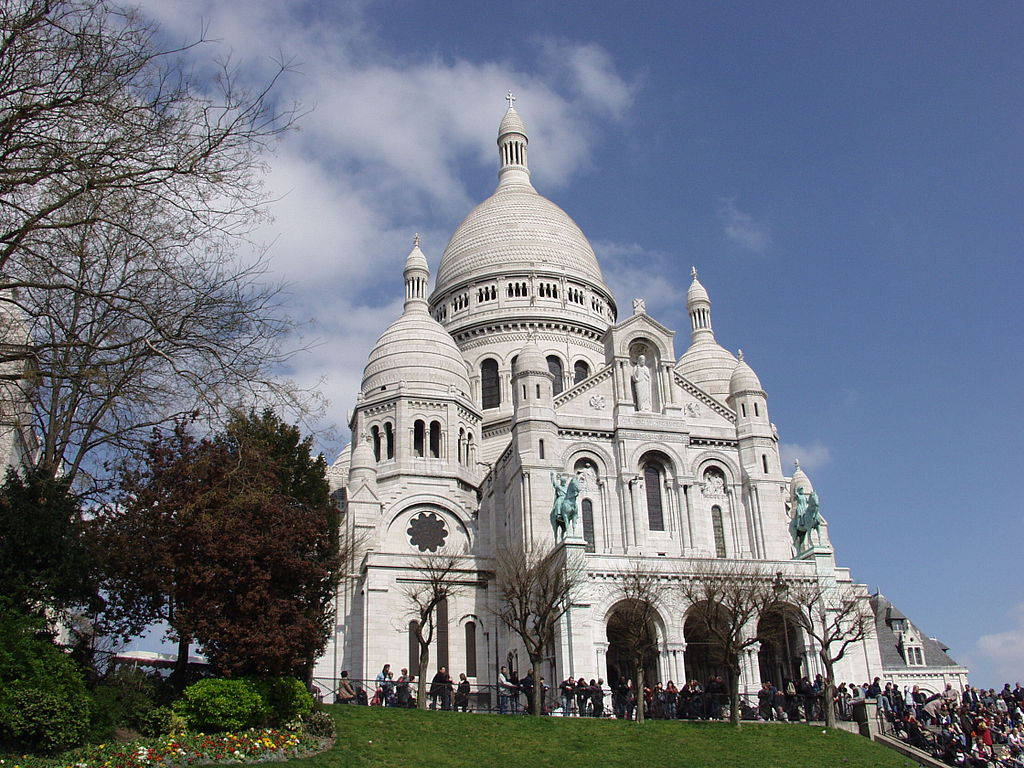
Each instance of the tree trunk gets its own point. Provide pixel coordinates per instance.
(734, 696)
(829, 702)
(421, 685)
(537, 697)
(640, 698)
(179, 676)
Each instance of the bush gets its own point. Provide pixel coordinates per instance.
(319, 724)
(222, 705)
(44, 706)
(156, 722)
(126, 698)
(287, 699)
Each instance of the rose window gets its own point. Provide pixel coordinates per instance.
(427, 531)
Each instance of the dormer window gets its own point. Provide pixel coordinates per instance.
(899, 625)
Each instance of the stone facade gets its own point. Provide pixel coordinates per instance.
(518, 366)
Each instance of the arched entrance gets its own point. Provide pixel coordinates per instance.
(632, 638)
(781, 656)
(704, 656)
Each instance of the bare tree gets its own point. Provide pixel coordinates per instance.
(726, 599)
(535, 590)
(441, 578)
(639, 591)
(125, 183)
(835, 617)
(124, 336)
(92, 106)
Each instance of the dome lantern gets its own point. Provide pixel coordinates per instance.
(512, 143)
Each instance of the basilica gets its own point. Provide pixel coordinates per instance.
(520, 368)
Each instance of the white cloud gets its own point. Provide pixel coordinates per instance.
(628, 268)
(742, 229)
(385, 152)
(1002, 653)
(812, 456)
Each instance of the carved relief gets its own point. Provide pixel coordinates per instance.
(597, 402)
(714, 482)
(692, 410)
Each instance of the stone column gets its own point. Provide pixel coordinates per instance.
(687, 491)
(739, 519)
(626, 512)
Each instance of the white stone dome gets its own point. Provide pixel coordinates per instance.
(416, 351)
(530, 360)
(697, 292)
(517, 230)
(708, 365)
(744, 379)
(800, 480)
(511, 123)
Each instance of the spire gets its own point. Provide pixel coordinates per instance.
(512, 142)
(698, 305)
(417, 275)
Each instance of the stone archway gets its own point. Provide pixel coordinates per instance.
(781, 655)
(623, 637)
(704, 657)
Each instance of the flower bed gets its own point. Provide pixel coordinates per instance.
(252, 746)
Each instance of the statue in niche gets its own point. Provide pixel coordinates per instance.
(714, 483)
(564, 512)
(586, 474)
(642, 383)
(806, 512)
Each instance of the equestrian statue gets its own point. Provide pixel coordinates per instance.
(806, 518)
(564, 512)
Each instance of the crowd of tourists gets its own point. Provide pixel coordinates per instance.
(976, 728)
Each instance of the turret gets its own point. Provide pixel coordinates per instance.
(706, 363)
(512, 143)
(758, 446)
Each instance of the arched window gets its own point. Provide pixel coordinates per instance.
(588, 524)
(470, 452)
(414, 649)
(462, 440)
(471, 649)
(375, 435)
(743, 408)
(540, 449)
(417, 439)
(389, 439)
(435, 439)
(580, 371)
(490, 387)
(555, 369)
(719, 530)
(764, 462)
(442, 633)
(652, 483)
(757, 411)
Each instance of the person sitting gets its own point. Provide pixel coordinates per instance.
(346, 693)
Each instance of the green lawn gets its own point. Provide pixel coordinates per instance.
(371, 736)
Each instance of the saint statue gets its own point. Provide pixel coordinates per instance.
(642, 383)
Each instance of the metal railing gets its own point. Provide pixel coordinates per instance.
(489, 698)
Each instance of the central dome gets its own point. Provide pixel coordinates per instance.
(517, 230)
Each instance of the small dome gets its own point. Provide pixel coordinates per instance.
(800, 480)
(530, 360)
(697, 292)
(709, 366)
(416, 352)
(511, 123)
(416, 259)
(743, 378)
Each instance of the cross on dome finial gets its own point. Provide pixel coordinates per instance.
(796, 463)
(511, 99)
(693, 272)
(416, 240)
(739, 354)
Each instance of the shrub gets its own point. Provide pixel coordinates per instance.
(126, 698)
(156, 722)
(44, 706)
(222, 705)
(287, 698)
(319, 724)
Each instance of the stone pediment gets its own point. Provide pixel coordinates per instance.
(595, 395)
(703, 400)
(618, 338)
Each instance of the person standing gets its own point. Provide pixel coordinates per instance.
(504, 692)
(403, 691)
(438, 687)
(567, 688)
(582, 695)
(462, 693)
(597, 696)
(383, 685)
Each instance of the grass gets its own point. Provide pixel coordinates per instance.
(385, 738)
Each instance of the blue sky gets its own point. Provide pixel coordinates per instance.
(847, 177)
